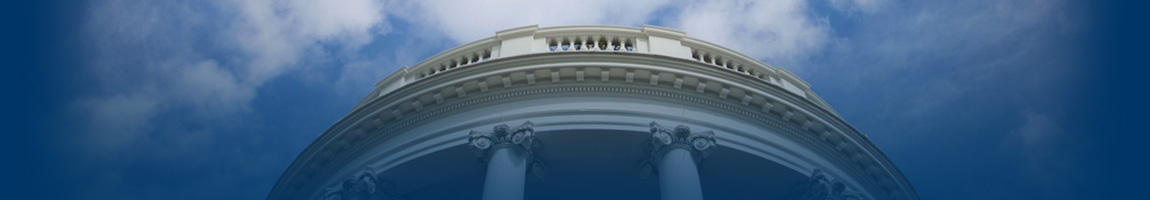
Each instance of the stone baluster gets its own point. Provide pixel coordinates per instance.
(611, 44)
(584, 40)
(592, 43)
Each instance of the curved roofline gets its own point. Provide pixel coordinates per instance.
(533, 39)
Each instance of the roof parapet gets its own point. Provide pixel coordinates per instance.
(648, 40)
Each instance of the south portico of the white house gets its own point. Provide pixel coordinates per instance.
(592, 112)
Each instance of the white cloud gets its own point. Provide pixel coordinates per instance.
(851, 6)
(773, 30)
(276, 33)
(151, 58)
(329, 18)
(116, 120)
(164, 80)
(466, 21)
(206, 86)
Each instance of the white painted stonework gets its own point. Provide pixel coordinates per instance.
(592, 112)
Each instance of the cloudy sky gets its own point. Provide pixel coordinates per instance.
(213, 99)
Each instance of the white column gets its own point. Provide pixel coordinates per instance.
(509, 153)
(506, 174)
(674, 155)
(678, 176)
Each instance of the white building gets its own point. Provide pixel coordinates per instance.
(592, 112)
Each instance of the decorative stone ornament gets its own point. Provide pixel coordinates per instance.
(821, 187)
(699, 144)
(537, 169)
(363, 186)
(521, 138)
(646, 169)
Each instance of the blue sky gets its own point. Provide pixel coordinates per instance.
(978, 99)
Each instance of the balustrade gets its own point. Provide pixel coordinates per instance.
(606, 39)
(591, 43)
(461, 59)
(726, 62)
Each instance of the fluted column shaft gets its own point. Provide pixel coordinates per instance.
(506, 174)
(678, 176)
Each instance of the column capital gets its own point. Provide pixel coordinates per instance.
(699, 143)
(520, 138)
(662, 140)
(820, 186)
(362, 185)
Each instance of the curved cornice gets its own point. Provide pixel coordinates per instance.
(721, 88)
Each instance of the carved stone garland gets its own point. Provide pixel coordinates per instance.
(363, 186)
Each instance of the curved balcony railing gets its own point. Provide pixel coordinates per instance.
(472, 53)
(722, 57)
(645, 40)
